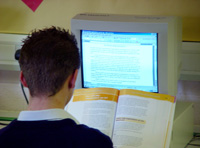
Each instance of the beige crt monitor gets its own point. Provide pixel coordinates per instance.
(164, 68)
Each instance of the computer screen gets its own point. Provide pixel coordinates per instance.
(119, 60)
(128, 51)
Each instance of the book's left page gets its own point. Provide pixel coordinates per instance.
(95, 107)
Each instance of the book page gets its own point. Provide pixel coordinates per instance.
(95, 107)
(142, 119)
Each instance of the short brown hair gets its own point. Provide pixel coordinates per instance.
(47, 59)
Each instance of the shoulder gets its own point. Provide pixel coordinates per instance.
(4, 129)
(77, 135)
(93, 137)
(83, 136)
(5, 132)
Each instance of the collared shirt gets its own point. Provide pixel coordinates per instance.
(49, 114)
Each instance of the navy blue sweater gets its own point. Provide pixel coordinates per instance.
(52, 134)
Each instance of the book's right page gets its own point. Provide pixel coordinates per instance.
(142, 119)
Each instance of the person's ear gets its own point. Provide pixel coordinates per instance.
(22, 79)
(72, 79)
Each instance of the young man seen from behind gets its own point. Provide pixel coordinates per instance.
(49, 62)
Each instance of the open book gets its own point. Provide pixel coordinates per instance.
(132, 118)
